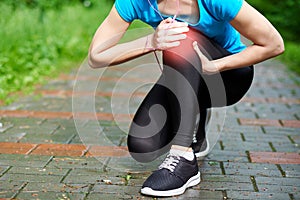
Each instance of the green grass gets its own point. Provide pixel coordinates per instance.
(31, 49)
(291, 57)
(283, 16)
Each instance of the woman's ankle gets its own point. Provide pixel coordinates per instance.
(182, 148)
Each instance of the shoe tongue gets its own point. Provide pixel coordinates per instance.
(185, 154)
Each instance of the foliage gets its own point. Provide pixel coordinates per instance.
(292, 56)
(283, 14)
(31, 48)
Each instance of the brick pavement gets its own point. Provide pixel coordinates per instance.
(53, 147)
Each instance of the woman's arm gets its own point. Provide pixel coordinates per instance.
(105, 50)
(267, 42)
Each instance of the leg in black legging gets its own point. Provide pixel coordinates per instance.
(150, 133)
(146, 142)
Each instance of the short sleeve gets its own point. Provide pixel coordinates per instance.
(126, 9)
(225, 10)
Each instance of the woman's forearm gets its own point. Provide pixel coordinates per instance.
(251, 55)
(120, 53)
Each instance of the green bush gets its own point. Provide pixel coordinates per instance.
(32, 49)
(283, 14)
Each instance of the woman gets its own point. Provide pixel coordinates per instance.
(190, 81)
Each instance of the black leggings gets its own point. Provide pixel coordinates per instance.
(168, 113)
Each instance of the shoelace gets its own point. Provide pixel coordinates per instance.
(170, 162)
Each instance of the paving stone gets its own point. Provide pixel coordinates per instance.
(221, 186)
(295, 139)
(97, 196)
(227, 156)
(62, 123)
(260, 122)
(11, 137)
(291, 170)
(16, 148)
(278, 181)
(21, 123)
(276, 116)
(241, 195)
(42, 138)
(76, 162)
(3, 169)
(282, 139)
(231, 137)
(275, 157)
(296, 195)
(251, 169)
(59, 149)
(56, 187)
(278, 188)
(9, 189)
(5, 126)
(128, 164)
(101, 177)
(246, 146)
(199, 194)
(211, 170)
(50, 195)
(243, 129)
(30, 178)
(24, 160)
(115, 189)
(36, 114)
(108, 151)
(282, 131)
(77, 140)
(226, 178)
(286, 147)
(38, 171)
(234, 114)
(291, 123)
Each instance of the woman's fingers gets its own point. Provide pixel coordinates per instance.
(171, 44)
(196, 48)
(208, 67)
(169, 33)
(173, 31)
(172, 38)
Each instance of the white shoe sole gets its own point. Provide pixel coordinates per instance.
(205, 152)
(195, 180)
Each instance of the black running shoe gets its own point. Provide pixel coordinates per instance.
(173, 177)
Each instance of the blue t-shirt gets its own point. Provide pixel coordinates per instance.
(215, 16)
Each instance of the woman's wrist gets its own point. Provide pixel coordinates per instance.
(219, 65)
(149, 44)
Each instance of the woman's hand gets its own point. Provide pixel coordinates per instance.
(208, 67)
(168, 34)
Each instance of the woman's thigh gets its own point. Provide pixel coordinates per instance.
(221, 89)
